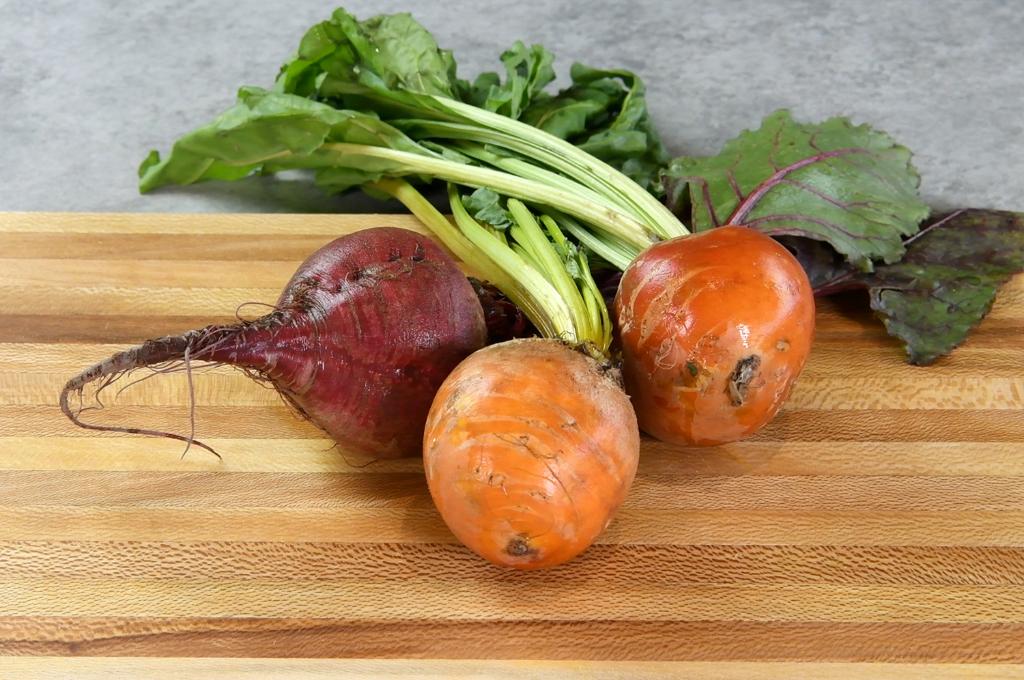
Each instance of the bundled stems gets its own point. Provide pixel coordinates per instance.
(532, 263)
(615, 223)
(568, 159)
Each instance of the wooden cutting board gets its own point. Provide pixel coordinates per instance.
(880, 518)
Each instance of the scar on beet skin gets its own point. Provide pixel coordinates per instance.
(740, 378)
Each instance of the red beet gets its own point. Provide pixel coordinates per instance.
(359, 342)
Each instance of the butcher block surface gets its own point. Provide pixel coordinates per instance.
(874, 529)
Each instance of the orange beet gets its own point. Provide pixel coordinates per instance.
(715, 328)
(529, 449)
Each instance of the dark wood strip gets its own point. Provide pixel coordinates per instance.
(633, 640)
(214, 489)
(889, 425)
(618, 566)
(895, 425)
(211, 421)
(110, 328)
(99, 328)
(680, 491)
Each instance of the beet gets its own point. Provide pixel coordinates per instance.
(362, 337)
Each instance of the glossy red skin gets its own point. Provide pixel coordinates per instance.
(692, 313)
(373, 323)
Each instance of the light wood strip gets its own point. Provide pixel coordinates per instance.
(155, 300)
(176, 249)
(484, 599)
(35, 384)
(199, 274)
(616, 566)
(45, 357)
(120, 330)
(261, 422)
(679, 491)
(54, 668)
(423, 525)
(56, 224)
(851, 459)
(886, 360)
(150, 454)
(906, 425)
(255, 423)
(219, 386)
(874, 364)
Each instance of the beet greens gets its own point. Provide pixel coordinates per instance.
(365, 102)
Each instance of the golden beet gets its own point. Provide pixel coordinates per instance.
(529, 449)
(715, 328)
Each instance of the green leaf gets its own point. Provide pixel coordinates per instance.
(486, 206)
(947, 281)
(392, 66)
(386, 52)
(604, 112)
(850, 186)
(269, 132)
(528, 72)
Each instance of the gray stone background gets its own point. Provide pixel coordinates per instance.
(88, 87)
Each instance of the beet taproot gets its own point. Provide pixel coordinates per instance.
(361, 338)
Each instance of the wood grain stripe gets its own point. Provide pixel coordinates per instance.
(468, 599)
(200, 274)
(600, 639)
(617, 566)
(830, 425)
(894, 424)
(423, 525)
(56, 226)
(202, 490)
(118, 329)
(131, 453)
(211, 421)
(850, 459)
(226, 387)
(177, 250)
(855, 334)
(154, 300)
(36, 668)
(206, 306)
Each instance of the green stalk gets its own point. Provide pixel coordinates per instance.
(527, 170)
(615, 224)
(616, 253)
(610, 192)
(552, 265)
(578, 164)
(595, 303)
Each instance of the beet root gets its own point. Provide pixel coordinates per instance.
(362, 337)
